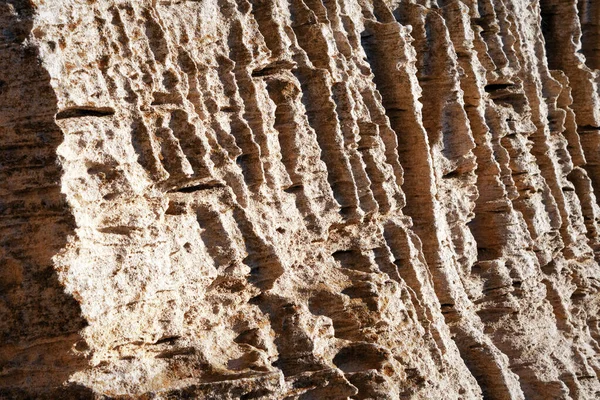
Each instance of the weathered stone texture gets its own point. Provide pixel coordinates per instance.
(303, 199)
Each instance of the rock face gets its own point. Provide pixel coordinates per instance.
(300, 199)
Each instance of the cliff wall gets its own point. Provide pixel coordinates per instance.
(300, 199)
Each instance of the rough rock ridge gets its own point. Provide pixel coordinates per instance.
(303, 199)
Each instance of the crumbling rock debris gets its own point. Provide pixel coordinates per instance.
(302, 199)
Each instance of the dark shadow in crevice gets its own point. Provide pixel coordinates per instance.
(80, 112)
(588, 12)
(39, 322)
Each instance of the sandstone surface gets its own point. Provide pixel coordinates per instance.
(302, 199)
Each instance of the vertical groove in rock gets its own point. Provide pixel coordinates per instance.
(300, 200)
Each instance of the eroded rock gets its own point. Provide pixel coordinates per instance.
(300, 200)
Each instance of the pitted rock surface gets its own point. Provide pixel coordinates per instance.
(303, 199)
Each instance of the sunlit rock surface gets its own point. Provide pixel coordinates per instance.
(303, 199)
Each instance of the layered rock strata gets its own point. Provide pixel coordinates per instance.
(304, 199)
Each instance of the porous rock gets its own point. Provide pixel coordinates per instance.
(303, 199)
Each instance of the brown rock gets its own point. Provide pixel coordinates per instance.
(299, 200)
